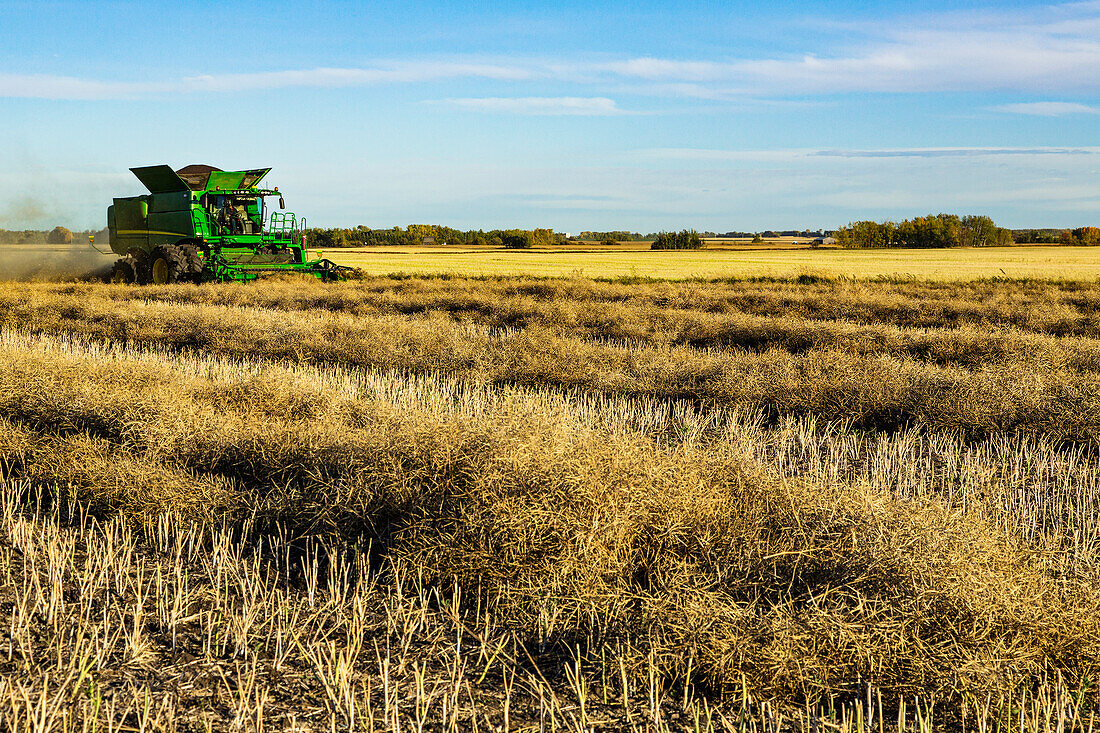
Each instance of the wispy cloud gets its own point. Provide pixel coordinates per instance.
(658, 69)
(1018, 186)
(563, 198)
(787, 155)
(65, 87)
(42, 86)
(1049, 49)
(717, 155)
(393, 73)
(1049, 109)
(587, 106)
(953, 152)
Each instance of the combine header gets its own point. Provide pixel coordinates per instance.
(202, 224)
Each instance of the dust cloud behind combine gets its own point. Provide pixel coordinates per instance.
(23, 210)
(52, 263)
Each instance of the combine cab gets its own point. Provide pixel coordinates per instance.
(201, 224)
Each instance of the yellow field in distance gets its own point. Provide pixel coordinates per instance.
(722, 260)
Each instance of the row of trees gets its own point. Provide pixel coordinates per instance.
(1089, 236)
(1082, 235)
(621, 236)
(57, 235)
(934, 230)
(686, 239)
(1036, 236)
(937, 230)
(524, 238)
(614, 236)
(417, 234)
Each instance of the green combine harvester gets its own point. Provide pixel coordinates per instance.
(202, 224)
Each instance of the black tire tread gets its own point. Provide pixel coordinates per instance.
(174, 255)
(129, 267)
(193, 260)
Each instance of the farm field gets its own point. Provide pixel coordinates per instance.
(721, 259)
(724, 260)
(534, 504)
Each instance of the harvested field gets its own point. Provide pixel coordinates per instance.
(721, 260)
(415, 503)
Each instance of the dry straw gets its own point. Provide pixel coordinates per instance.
(481, 528)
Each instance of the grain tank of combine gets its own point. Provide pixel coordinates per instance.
(202, 224)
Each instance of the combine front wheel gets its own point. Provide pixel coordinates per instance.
(193, 261)
(167, 265)
(125, 271)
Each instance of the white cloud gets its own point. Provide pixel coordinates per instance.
(586, 106)
(803, 154)
(953, 152)
(1019, 186)
(43, 86)
(1051, 49)
(717, 156)
(668, 70)
(1056, 48)
(408, 72)
(1049, 109)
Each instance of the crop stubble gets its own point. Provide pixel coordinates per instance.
(717, 486)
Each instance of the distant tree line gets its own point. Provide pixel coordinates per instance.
(1037, 236)
(1088, 236)
(57, 235)
(617, 236)
(686, 239)
(770, 234)
(1082, 235)
(419, 234)
(621, 236)
(935, 230)
(524, 238)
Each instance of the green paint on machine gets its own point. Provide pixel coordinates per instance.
(202, 224)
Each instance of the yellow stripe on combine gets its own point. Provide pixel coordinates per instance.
(147, 231)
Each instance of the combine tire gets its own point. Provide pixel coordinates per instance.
(194, 261)
(168, 264)
(125, 271)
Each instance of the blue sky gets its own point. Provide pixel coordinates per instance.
(571, 115)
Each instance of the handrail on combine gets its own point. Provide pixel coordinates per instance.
(286, 225)
(196, 224)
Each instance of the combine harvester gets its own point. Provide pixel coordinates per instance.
(202, 224)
